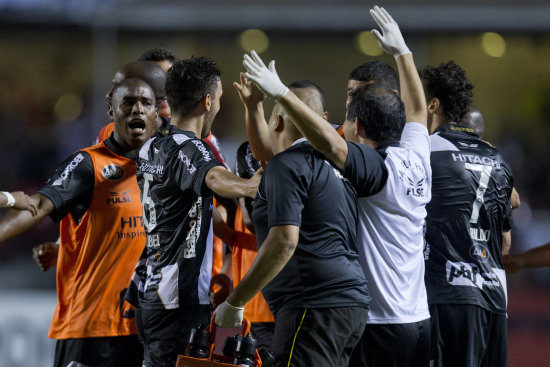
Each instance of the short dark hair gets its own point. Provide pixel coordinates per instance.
(189, 81)
(379, 72)
(159, 54)
(379, 110)
(299, 84)
(448, 83)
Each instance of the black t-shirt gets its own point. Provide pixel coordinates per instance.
(468, 212)
(299, 187)
(177, 210)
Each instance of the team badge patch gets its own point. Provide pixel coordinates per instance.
(113, 172)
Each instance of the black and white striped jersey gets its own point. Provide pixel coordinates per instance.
(468, 212)
(177, 213)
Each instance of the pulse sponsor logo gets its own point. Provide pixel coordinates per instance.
(117, 198)
(200, 146)
(70, 167)
(479, 252)
(414, 177)
(185, 160)
(113, 172)
(151, 168)
(470, 275)
(475, 159)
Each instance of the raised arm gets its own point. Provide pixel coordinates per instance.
(322, 136)
(392, 42)
(18, 221)
(256, 126)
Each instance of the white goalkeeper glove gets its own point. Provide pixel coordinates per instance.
(229, 316)
(391, 40)
(265, 78)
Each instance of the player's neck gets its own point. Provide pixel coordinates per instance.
(192, 123)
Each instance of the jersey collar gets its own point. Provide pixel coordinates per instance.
(301, 140)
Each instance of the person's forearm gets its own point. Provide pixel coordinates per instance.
(226, 184)
(536, 258)
(257, 132)
(506, 242)
(514, 199)
(412, 92)
(16, 222)
(272, 257)
(321, 135)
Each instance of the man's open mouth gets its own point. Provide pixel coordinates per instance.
(137, 125)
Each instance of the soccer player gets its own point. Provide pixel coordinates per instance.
(152, 74)
(178, 174)
(466, 217)
(392, 212)
(307, 264)
(46, 253)
(17, 200)
(95, 195)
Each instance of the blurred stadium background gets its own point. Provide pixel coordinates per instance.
(57, 58)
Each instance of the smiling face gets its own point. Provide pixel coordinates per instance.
(134, 113)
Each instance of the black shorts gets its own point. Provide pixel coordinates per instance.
(116, 351)
(468, 336)
(323, 337)
(393, 345)
(165, 333)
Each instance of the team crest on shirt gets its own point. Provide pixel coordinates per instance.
(113, 172)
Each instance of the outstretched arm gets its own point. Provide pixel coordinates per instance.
(17, 200)
(392, 42)
(227, 185)
(16, 222)
(322, 136)
(535, 258)
(256, 126)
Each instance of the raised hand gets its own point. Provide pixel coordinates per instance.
(391, 40)
(265, 78)
(248, 91)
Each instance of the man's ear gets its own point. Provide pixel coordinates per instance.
(207, 102)
(325, 115)
(433, 105)
(110, 112)
(279, 124)
(358, 128)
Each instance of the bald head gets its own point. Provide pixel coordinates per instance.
(474, 119)
(148, 71)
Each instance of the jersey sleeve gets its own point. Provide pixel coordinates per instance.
(194, 160)
(71, 186)
(284, 186)
(415, 136)
(366, 169)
